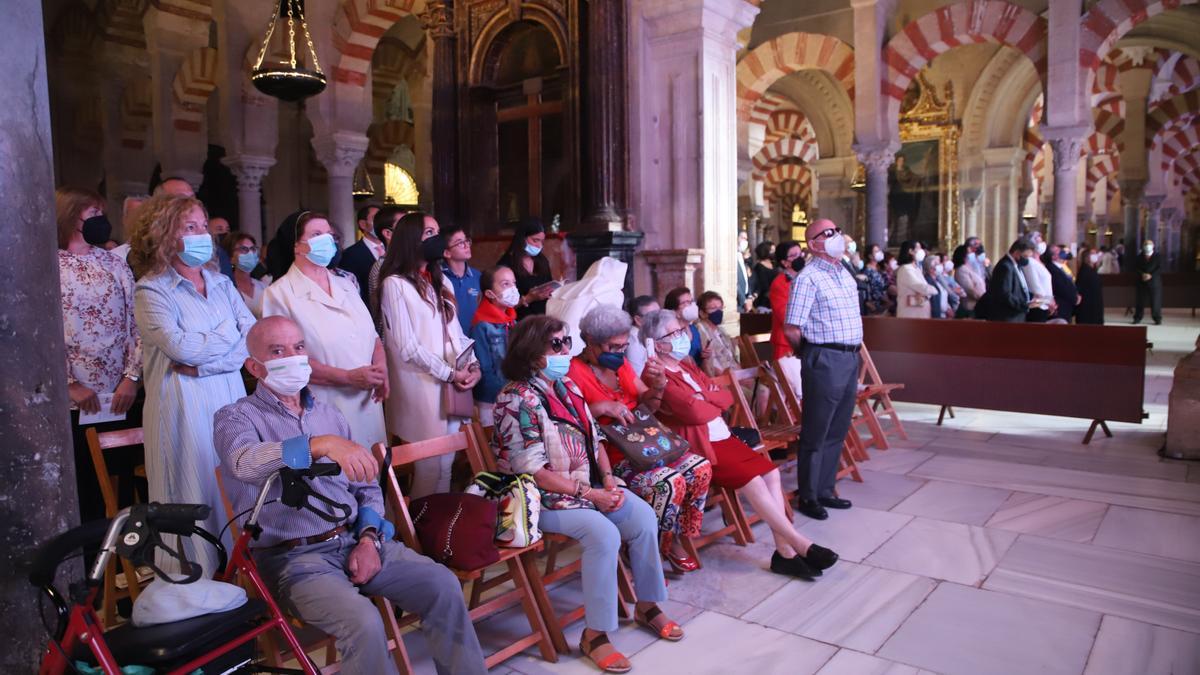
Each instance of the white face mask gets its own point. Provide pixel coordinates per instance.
(690, 313)
(919, 255)
(1041, 247)
(510, 296)
(287, 375)
(878, 256)
(948, 266)
(1094, 258)
(1149, 249)
(893, 264)
(852, 247)
(835, 246)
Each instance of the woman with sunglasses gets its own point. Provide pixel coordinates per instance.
(545, 428)
(692, 407)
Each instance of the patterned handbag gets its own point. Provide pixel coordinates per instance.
(518, 506)
(647, 443)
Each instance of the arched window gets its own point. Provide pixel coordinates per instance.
(398, 185)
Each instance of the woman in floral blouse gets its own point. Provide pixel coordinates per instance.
(544, 428)
(104, 349)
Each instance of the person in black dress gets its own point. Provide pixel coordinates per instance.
(531, 267)
(763, 274)
(1087, 283)
(1063, 287)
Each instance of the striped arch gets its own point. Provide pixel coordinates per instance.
(357, 28)
(137, 109)
(383, 139)
(1184, 77)
(785, 149)
(1032, 143)
(1106, 79)
(784, 123)
(1113, 103)
(121, 22)
(1109, 124)
(788, 179)
(789, 193)
(954, 25)
(1108, 20)
(193, 84)
(1178, 144)
(1099, 144)
(1106, 166)
(1188, 171)
(760, 112)
(787, 54)
(1161, 114)
(1040, 161)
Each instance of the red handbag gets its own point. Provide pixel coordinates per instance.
(456, 529)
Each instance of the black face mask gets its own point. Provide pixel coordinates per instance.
(433, 248)
(97, 230)
(797, 264)
(716, 316)
(1022, 262)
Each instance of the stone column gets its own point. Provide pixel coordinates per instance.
(831, 187)
(1066, 143)
(250, 171)
(877, 158)
(1131, 196)
(1134, 84)
(36, 453)
(1153, 203)
(438, 19)
(340, 152)
(970, 199)
(589, 247)
(605, 115)
(675, 268)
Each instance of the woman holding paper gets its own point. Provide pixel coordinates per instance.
(427, 352)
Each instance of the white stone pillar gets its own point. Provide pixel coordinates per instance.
(1066, 143)
(877, 157)
(831, 187)
(686, 128)
(1134, 84)
(970, 199)
(1153, 203)
(1001, 211)
(250, 171)
(340, 152)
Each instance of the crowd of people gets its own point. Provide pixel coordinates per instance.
(245, 364)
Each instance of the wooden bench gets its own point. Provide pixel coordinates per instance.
(1180, 290)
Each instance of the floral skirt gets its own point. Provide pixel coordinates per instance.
(676, 492)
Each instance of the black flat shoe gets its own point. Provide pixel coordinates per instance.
(793, 567)
(812, 509)
(834, 502)
(820, 558)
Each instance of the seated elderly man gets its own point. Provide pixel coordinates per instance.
(324, 575)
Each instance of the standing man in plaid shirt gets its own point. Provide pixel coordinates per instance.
(824, 326)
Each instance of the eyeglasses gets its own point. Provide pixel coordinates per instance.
(246, 249)
(671, 336)
(460, 244)
(557, 344)
(825, 234)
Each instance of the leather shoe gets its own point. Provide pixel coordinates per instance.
(794, 567)
(812, 509)
(834, 502)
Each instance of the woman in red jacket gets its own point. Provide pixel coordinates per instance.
(692, 407)
(788, 259)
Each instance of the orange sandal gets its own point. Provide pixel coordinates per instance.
(670, 631)
(608, 663)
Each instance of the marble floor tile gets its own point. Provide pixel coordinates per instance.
(733, 578)
(1125, 646)
(951, 551)
(967, 631)
(848, 662)
(879, 490)
(897, 460)
(1054, 517)
(717, 644)
(1165, 534)
(956, 502)
(851, 605)
(1159, 495)
(854, 533)
(1147, 588)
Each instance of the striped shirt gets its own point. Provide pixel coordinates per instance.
(824, 304)
(258, 436)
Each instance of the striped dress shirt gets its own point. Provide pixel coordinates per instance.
(824, 304)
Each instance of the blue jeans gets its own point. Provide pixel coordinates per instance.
(601, 535)
(312, 582)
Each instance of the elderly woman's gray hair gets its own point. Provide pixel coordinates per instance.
(603, 323)
(654, 324)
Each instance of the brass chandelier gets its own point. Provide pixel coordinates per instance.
(285, 69)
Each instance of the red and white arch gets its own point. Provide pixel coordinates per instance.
(1177, 143)
(787, 54)
(193, 84)
(1179, 109)
(1109, 124)
(1183, 77)
(357, 29)
(784, 150)
(791, 183)
(954, 25)
(1108, 20)
(785, 123)
(1103, 167)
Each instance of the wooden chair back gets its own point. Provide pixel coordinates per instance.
(98, 443)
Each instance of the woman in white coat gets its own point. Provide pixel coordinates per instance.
(912, 291)
(423, 340)
(349, 369)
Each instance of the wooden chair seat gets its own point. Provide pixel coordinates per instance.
(880, 393)
(129, 582)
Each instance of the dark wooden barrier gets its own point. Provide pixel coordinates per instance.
(1180, 290)
(1091, 372)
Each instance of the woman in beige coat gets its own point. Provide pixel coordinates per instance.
(912, 291)
(422, 338)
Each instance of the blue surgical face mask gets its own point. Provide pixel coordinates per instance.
(197, 249)
(532, 250)
(681, 346)
(322, 248)
(716, 316)
(246, 262)
(557, 366)
(610, 360)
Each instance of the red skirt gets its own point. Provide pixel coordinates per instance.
(737, 464)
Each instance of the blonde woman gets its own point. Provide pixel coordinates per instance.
(193, 325)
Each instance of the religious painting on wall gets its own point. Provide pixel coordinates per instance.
(923, 180)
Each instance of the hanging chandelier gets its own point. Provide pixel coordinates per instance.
(363, 187)
(287, 66)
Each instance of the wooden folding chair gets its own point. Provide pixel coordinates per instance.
(127, 583)
(312, 638)
(529, 590)
(879, 392)
(853, 450)
(554, 544)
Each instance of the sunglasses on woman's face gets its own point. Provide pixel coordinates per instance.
(557, 344)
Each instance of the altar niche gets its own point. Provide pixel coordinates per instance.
(521, 154)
